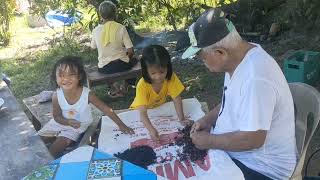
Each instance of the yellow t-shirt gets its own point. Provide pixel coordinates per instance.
(146, 96)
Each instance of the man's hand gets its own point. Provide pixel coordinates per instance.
(200, 125)
(74, 123)
(186, 121)
(202, 139)
(125, 129)
(154, 135)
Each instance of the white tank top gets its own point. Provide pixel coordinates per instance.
(80, 111)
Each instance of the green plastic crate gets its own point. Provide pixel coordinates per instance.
(302, 66)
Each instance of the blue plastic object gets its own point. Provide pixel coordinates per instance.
(59, 18)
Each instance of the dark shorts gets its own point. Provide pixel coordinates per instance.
(117, 66)
(248, 173)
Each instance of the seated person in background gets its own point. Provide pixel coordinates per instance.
(255, 122)
(71, 106)
(157, 82)
(115, 49)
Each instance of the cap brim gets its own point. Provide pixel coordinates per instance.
(191, 51)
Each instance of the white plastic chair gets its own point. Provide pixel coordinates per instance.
(307, 107)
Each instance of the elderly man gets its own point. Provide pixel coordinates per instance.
(255, 121)
(115, 49)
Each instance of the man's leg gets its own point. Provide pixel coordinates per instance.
(248, 173)
(115, 67)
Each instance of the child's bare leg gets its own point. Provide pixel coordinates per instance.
(59, 145)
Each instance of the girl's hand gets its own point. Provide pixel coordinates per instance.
(125, 129)
(154, 135)
(186, 122)
(74, 123)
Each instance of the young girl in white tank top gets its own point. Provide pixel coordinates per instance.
(70, 106)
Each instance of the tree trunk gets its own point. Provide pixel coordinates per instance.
(6, 18)
(172, 20)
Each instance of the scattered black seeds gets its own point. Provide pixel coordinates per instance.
(142, 156)
(189, 150)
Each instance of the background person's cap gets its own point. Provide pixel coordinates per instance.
(210, 27)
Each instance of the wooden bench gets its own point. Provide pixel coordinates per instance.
(96, 78)
(41, 113)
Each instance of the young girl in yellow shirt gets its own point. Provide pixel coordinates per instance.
(157, 82)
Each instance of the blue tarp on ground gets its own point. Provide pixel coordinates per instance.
(59, 18)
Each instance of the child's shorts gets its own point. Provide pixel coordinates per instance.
(54, 129)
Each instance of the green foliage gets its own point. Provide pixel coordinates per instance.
(43, 6)
(32, 75)
(306, 14)
(7, 8)
(176, 13)
(172, 12)
(71, 7)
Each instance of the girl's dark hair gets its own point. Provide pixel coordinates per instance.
(75, 65)
(155, 55)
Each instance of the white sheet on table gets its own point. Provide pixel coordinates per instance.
(218, 164)
(80, 154)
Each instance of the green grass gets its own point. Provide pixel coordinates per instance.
(200, 83)
(23, 36)
(32, 75)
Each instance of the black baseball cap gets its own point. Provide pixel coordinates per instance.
(210, 27)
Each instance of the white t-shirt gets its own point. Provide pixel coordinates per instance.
(114, 50)
(257, 97)
(80, 111)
